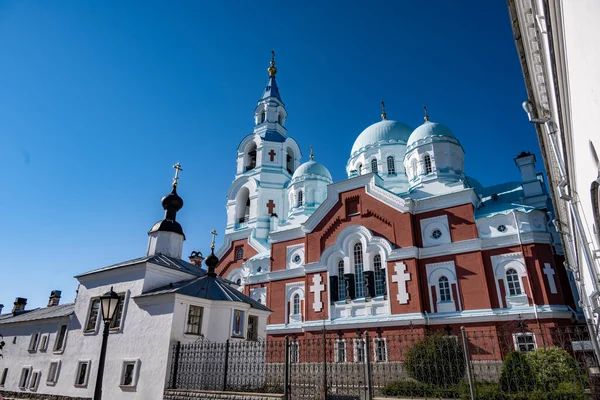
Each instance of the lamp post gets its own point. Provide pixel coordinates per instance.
(108, 303)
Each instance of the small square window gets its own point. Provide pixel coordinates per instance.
(53, 372)
(33, 342)
(24, 379)
(525, 342)
(3, 377)
(59, 343)
(129, 372)
(83, 371)
(35, 380)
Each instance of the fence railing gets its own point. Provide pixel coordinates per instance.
(513, 362)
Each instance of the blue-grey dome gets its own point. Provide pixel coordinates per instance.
(429, 129)
(382, 132)
(312, 168)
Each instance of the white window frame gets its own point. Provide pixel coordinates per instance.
(356, 347)
(34, 383)
(517, 282)
(87, 373)
(187, 314)
(93, 330)
(34, 341)
(516, 337)
(337, 358)
(3, 376)
(135, 373)
(385, 350)
(44, 339)
(124, 303)
(292, 289)
(24, 381)
(56, 349)
(391, 167)
(51, 380)
(447, 290)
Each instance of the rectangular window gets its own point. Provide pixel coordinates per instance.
(24, 377)
(83, 370)
(33, 342)
(115, 322)
(340, 351)
(359, 350)
(525, 342)
(3, 377)
(380, 350)
(44, 343)
(53, 371)
(59, 343)
(294, 352)
(194, 323)
(128, 373)
(252, 328)
(93, 315)
(35, 380)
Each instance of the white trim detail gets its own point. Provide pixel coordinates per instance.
(549, 272)
(402, 277)
(317, 288)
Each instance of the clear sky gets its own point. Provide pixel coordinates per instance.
(99, 99)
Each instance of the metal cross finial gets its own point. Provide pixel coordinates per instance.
(426, 115)
(214, 236)
(312, 156)
(177, 169)
(273, 55)
(383, 114)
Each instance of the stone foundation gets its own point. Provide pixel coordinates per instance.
(178, 394)
(37, 396)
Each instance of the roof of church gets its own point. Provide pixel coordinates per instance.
(429, 129)
(382, 132)
(502, 198)
(158, 259)
(311, 167)
(62, 310)
(271, 90)
(209, 288)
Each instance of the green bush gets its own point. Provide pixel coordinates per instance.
(418, 389)
(552, 367)
(436, 360)
(493, 392)
(516, 374)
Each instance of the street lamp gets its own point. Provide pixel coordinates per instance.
(109, 302)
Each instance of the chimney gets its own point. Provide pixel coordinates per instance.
(20, 304)
(526, 164)
(1, 307)
(196, 258)
(54, 298)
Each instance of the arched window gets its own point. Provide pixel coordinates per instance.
(300, 201)
(414, 167)
(296, 304)
(263, 116)
(444, 286)
(379, 276)
(239, 253)
(427, 162)
(250, 157)
(391, 164)
(290, 160)
(359, 279)
(513, 282)
(374, 165)
(242, 207)
(341, 281)
(359, 169)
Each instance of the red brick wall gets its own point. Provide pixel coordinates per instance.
(279, 253)
(460, 219)
(415, 300)
(228, 262)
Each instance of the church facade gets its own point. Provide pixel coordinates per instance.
(407, 240)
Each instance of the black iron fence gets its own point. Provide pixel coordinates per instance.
(514, 362)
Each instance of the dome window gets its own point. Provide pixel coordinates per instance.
(300, 201)
(391, 165)
(427, 162)
(359, 169)
(374, 166)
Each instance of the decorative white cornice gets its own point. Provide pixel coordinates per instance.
(448, 200)
(286, 235)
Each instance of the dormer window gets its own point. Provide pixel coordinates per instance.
(427, 162)
(391, 165)
(374, 165)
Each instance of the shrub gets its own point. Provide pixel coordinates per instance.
(516, 374)
(492, 392)
(418, 389)
(554, 366)
(436, 360)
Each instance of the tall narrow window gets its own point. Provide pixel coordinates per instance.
(427, 162)
(53, 371)
(359, 169)
(341, 281)
(300, 198)
(414, 167)
(81, 378)
(33, 341)
(380, 349)
(24, 377)
(444, 286)
(512, 281)
(391, 165)
(250, 156)
(359, 280)
(296, 304)
(290, 160)
(93, 315)
(374, 165)
(263, 116)
(115, 322)
(340, 351)
(252, 327)
(359, 350)
(59, 344)
(194, 323)
(3, 377)
(379, 276)
(35, 380)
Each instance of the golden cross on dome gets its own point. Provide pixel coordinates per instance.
(426, 118)
(214, 236)
(272, 70)
(312, 156)
(383, 114)
(177, 169)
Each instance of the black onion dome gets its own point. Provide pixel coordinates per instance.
(172, 201)
(211, 262)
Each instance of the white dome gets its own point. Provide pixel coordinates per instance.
(312, 168)
(382, 132)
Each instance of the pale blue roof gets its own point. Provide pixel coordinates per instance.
(429, 129)
(382, 132)
(271, 90)
(312, 167)
(502, 199)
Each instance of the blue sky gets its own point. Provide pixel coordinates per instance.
(99, 99)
